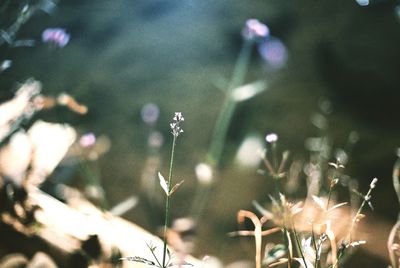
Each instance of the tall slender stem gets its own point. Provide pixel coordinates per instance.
(315, 246)
(167, 203)
(288, 244)
(228, 107)
(353, 221)
(298, 244)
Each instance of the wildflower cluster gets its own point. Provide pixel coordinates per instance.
(56, 36)
(309, 236)
(175, 127)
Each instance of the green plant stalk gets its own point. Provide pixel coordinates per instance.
(277, 185)
(274, 156)
(353, 221)
(21, 19)
(155, 257)
(167, 203)
(286, 238)
(222, 124)
(298, 245)
(200, 201)
(275, 176)
(315, 246)
(92, 177)
(318, 248)
(229, 105)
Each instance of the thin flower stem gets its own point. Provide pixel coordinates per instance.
(155, 257)
(200, 201)
(277, 187)
(286, 238)
(241, 65)
(92, 176)
(315, 247)
(366, 199)
(228, 107)
(167, 203)
(353, 221)
(274, 156)
(296, 237)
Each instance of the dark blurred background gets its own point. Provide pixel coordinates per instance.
(126, 53)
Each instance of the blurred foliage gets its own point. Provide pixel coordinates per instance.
(123, 54)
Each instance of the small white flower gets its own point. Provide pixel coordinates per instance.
(176, 129)
(178, 117)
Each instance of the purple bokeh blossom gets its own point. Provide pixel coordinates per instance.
(57, 36)
(271, 49)
(87, 140)
(274, 52)
(150, 113)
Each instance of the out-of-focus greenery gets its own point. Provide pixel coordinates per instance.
(123, 54)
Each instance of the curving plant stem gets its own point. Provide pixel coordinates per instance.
(167, 203)
(257, 232)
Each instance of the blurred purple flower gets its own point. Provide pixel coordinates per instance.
(150, 113)
(87, 140)
(56, 36)
(274, 52)
(254, 29)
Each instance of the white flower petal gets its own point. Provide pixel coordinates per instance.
(163, 183)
